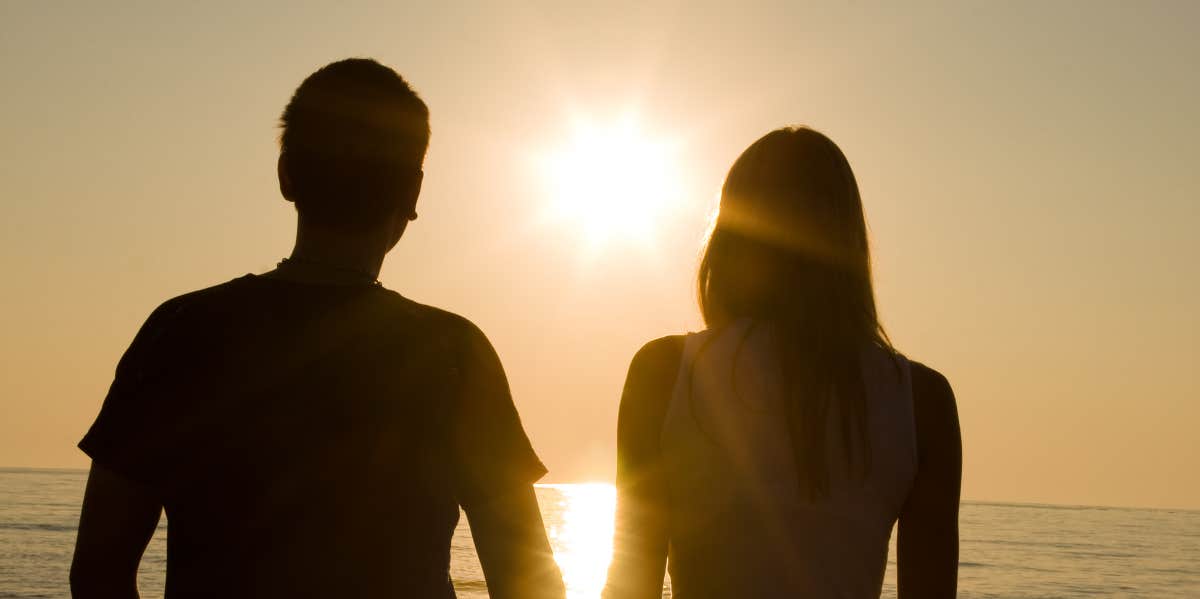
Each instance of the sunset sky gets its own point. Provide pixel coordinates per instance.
(1030, 171)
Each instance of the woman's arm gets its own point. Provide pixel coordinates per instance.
(640, 544)
(118, 518)
(927, 547)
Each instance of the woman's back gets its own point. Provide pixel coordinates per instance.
(740, 522)
(774, 459)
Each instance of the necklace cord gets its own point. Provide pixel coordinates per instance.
(367, 277)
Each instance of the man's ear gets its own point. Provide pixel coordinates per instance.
(414, 191)
(285, 181)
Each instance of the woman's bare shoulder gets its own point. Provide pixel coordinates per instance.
(929, 381)
(648, 386)
(935, 411)
(658, 353)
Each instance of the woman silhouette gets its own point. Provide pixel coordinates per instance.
(772, 453)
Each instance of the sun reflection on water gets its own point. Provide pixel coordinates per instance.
(580, 527)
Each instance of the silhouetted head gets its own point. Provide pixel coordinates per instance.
(789, 248)
(790, 241)
(353, 142)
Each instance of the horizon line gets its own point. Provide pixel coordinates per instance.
(1023, 504)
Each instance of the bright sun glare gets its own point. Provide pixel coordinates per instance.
(582, 536)
(611, 182)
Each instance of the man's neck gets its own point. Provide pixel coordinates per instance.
(355, 252)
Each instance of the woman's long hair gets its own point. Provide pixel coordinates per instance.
(789, 248)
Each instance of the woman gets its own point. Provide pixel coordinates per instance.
(771, 454)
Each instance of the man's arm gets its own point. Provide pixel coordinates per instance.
(494, 468)
(510, 539)
(927, 547)
(117, 521)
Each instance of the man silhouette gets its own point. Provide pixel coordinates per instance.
(309, 432)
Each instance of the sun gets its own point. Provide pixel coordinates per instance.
(611, 181)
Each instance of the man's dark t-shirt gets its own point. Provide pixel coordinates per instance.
(310, 440)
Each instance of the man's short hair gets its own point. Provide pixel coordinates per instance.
(354, 135)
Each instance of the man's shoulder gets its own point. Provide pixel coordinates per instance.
(440, 320)
(406, 314)
(203, 296)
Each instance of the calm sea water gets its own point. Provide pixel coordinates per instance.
(1007, 550)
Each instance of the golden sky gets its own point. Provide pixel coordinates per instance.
(1028, 170)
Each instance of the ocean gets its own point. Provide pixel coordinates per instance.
(1007, 550)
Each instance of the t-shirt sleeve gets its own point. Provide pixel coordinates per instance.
(128, 436)
(492, 453)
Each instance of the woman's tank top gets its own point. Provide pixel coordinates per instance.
(739, 526)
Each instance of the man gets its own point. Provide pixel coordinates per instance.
(309, 432)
